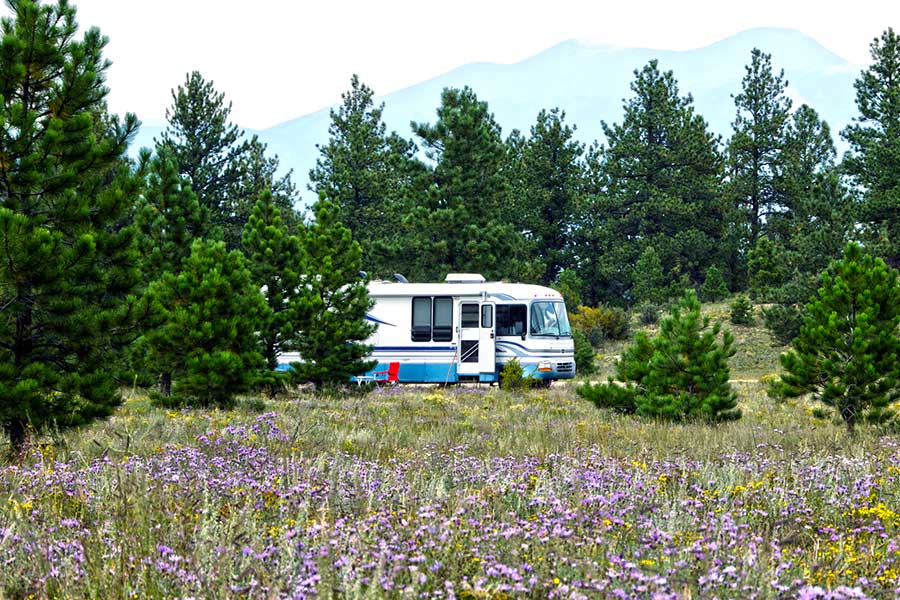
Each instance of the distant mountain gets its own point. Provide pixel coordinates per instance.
(590, 83)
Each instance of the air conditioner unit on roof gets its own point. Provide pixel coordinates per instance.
(464, 278)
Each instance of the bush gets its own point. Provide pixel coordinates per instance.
(680, 374)
(714, 287)
(742, 311)
(601, 323)
(783, 321)
(513, 378)
(648, 313)
(584, 354)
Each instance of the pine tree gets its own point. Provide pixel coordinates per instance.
(847, 351)
(226, 173)
(368, 175)
(277, 265)
(742, 311)
(212, 316)
(714, 287)
(332, 304)
(874, 158)
(768, 269)
(460, 225)
(820, 215)
(550, 179)
(681, 374)
(649, 281)
(168, 218)
(813, 226)
(68, 267)
(660, 185)
(258, 173)
(755, 148)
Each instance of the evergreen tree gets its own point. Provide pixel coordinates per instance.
(680, 374)
(212, 315)
(368, 175)
(821, 215)
(277, 265)
(600, 264)
(766, 264)
(714, 287)
(460, 226)
(68, 266)
(742, 311)
(660, 174)
(168, 218)
(847, 351)
(332, 304)
(550, 179)
(755, 148)
(649, 281)
(815, 224)
(226, 173)
(257, 173)
(874, 158)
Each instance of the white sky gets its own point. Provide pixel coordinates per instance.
(280, 59)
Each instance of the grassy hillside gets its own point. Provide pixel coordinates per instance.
(757, 351)
(456, 493)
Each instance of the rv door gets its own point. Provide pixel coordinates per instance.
(476, 338)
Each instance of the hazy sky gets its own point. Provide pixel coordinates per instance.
(280, 59)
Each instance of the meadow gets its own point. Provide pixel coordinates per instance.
(455, 493)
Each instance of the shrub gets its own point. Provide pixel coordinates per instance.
(847, 349)
(714, 287)
(783, 321)
(513, 378)
(601, 323)
(648, 313)
(742, 311)
(584, 354)
(680, 374)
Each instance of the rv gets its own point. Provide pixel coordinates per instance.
(467, 329)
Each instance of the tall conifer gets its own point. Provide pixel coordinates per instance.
(874, 157)
(68, 267)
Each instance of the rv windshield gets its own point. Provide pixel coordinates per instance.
(550, 318)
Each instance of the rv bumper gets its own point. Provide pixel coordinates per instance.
(551, 369)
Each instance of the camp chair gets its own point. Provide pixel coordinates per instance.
(392, 375)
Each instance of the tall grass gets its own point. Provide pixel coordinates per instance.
(458, 492)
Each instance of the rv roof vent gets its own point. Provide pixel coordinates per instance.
(464, 278)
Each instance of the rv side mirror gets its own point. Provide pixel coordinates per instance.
(523, 335)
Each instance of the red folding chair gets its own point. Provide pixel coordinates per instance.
(392, 375)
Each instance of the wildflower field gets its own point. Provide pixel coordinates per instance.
(453, 493)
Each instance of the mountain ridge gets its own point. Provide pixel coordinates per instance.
(590, 82)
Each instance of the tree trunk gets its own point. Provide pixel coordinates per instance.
(848, 413)
(15, 430)
(165, 384)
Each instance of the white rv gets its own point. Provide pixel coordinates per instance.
(466, 329)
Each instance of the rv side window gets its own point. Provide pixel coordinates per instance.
(511, 319)
(421, 319)
(487, 316)
(443, 320)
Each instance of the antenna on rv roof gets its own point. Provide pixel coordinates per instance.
(363, 275)
(400, 278)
